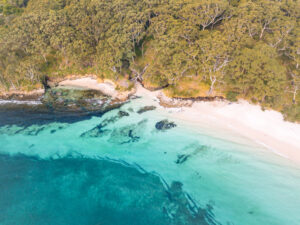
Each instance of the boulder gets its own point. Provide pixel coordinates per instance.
(72, 99)
(164, 125)
(145, 109)
(122, 114)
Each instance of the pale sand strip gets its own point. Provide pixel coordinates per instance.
(106, 88)
(266, 128)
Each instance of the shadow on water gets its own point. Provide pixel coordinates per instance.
(27, 115)
(91, 191)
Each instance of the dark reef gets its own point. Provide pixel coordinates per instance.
(164, 125)
(82, 191)
(146, 109)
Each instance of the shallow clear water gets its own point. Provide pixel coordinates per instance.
(119, 169)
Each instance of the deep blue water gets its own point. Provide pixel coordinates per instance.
(117, 168)
(75, 190)
(88, 191)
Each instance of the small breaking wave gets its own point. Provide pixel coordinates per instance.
(272, 149)
(20, 102)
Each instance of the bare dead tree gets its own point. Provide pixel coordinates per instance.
(138, 76)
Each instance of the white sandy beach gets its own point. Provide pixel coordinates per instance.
(107, 87)
(90, 83)
(266, 128)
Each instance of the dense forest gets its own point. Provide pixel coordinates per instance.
(246, 49)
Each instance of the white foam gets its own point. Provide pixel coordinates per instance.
(19, 102)
(272, 149)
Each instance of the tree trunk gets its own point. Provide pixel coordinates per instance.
(262, 32)
(44, 57)
(213, 81)
(294, 95)
(138, 76)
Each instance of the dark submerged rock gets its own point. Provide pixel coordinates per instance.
(182, 158)
(122, 114)
(25, 115)
(164, 125)
(183, 202)
(124, 135)
(128, 134)
(30, 129)
(145, 109)
(190, 151)
(97, 131)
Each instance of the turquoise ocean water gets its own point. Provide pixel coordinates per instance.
(117, 168)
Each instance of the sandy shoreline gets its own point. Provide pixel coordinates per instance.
(266, 128)
(107, 87)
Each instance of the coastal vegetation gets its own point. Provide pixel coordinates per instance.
(246, 49)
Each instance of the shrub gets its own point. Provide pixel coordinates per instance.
(232, 96)
(292, 113)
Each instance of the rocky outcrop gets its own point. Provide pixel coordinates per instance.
(145, 109)
(101, 129)
(164, 125)
(77, 100)
(172, 102)
(176, 102)
(82, 93)
(22, 96)
(74, 94)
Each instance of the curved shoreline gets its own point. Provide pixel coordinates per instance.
(265, 128)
